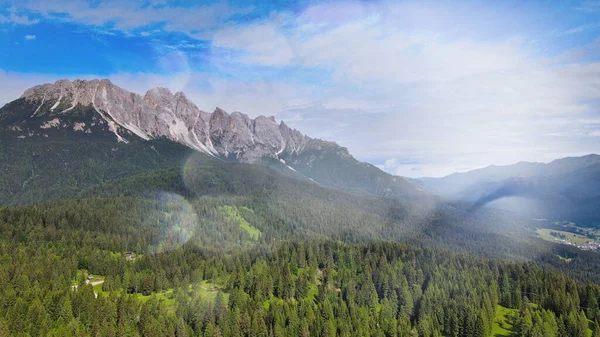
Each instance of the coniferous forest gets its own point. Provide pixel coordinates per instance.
(222, 249)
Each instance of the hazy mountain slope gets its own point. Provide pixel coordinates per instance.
(463, 184)
(565, 189)
(333, 166)
(98, 109)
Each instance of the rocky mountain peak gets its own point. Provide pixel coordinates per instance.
(220, 112)
(181, 95)
(159, 97)
(64, 83)
(158, 92)
(160, 113)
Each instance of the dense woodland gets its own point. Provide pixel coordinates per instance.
(294, 288)
(268, 286)
(240, 250)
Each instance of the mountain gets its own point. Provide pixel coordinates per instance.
(564, 189)
(159, 113)
(67, 114)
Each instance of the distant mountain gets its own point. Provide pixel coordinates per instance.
(98, 111)
(565, 189)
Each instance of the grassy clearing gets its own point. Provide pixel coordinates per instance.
(503, 321)
(98, 288)
(166, 297)
(567, 260)
(232, 213)
(208, 291)
(544, 233)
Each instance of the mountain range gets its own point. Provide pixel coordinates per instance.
(78, 134)
(564, 189)
(93, 143)
(56, 120)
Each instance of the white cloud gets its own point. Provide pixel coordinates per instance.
(429, 98)
(18, 19)
(22, 19)
(29, 37)
(126, 15)
(264, 44)
(417, 170)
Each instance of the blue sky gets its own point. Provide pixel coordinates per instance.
(418, 88)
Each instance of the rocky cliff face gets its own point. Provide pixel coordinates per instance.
(160, 113)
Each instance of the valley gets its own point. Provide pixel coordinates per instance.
(568, 238)
(309, 168)
(110, 233)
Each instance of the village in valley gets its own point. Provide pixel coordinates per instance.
(568, 233)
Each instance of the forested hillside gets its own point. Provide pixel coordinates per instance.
(292, 288)
(180, 244)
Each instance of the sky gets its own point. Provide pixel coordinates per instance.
(418, 88)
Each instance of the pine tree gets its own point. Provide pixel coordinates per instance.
(304, 330)
(181, 328)
(596, 330)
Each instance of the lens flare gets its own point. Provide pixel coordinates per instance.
(173, 221)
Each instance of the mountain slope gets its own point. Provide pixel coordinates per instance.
(565, 189)
(456, 184)
(98, 109)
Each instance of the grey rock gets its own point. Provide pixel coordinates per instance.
(160, 113)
